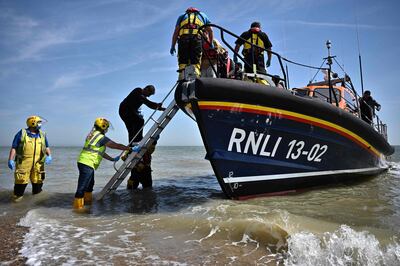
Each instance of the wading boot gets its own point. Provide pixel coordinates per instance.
(87, 197)
(17, 198)
(78, 204)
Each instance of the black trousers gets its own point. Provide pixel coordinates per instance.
(367, 118)
(189, 50)
(141, 177)
(19, 189)
(133, 122)
(258, 60)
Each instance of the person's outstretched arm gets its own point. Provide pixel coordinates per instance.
(113, 145)
(153, 105)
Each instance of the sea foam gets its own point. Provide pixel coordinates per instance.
(345, 246)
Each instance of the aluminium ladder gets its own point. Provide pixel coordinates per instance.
(134, 157)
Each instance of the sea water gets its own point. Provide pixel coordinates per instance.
(186, 219)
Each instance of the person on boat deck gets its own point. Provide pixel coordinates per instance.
(129, 111)
(256, 37)
(226, 66)
(28, 154)
(211, 56)
(278, 82)
(367, 107)
(90, 158)
(187, 35)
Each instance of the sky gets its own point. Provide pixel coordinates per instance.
(73, 61)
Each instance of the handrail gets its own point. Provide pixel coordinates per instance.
(380, 127)
(280, 58)
(223, 30)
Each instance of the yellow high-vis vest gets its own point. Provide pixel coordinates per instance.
(30, 155)
(191, 24)
(92, 153)
(255, 40)
(33, 149)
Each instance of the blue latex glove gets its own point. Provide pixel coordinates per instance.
(116, 159)
(212, 45)
(268, 63)
(48, 159)
(11, 164)
(172, 51)
(136, 148)
(235, 58)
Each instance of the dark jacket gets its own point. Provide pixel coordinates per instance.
(131, 104)
(367, 107)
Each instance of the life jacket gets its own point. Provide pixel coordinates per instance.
(255, 40)
(208, 51)
(193, 21)
(31, 148)
(92, 153)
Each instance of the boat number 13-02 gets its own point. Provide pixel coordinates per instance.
(296, 149)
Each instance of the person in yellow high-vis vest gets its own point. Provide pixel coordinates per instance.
(29, 153)
(253, 55)
(90, 158)
(189, 40)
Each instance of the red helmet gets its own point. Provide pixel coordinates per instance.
(192, 9)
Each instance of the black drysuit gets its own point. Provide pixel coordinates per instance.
(130, 113)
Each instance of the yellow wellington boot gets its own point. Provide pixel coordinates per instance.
(88, 198)
(78, 203)
(16, 198)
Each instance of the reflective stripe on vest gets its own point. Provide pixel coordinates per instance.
(92, 154)
(191, 24)
(38, 150)
(255, 40)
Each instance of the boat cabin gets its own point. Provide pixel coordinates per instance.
(345, 97)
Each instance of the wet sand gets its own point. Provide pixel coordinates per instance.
(11, 239)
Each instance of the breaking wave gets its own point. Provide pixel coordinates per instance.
(342, 247)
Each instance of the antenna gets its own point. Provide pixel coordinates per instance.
(358, 46)
(329, 45)
(329, 63)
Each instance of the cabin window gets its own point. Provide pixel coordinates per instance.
(323, 94)
(301, 92)
(348, 97)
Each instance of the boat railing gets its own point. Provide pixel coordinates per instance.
(353, 107)
(333, 98)
(284, 71)
(223, 33)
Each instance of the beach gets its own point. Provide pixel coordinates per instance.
(11, 240)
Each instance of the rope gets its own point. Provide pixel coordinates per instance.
(303, 65)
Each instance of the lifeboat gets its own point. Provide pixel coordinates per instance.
(265, 140)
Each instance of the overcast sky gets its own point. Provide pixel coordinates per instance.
(72, 61)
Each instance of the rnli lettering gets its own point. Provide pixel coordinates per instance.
(265, 145)
(253, 142)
